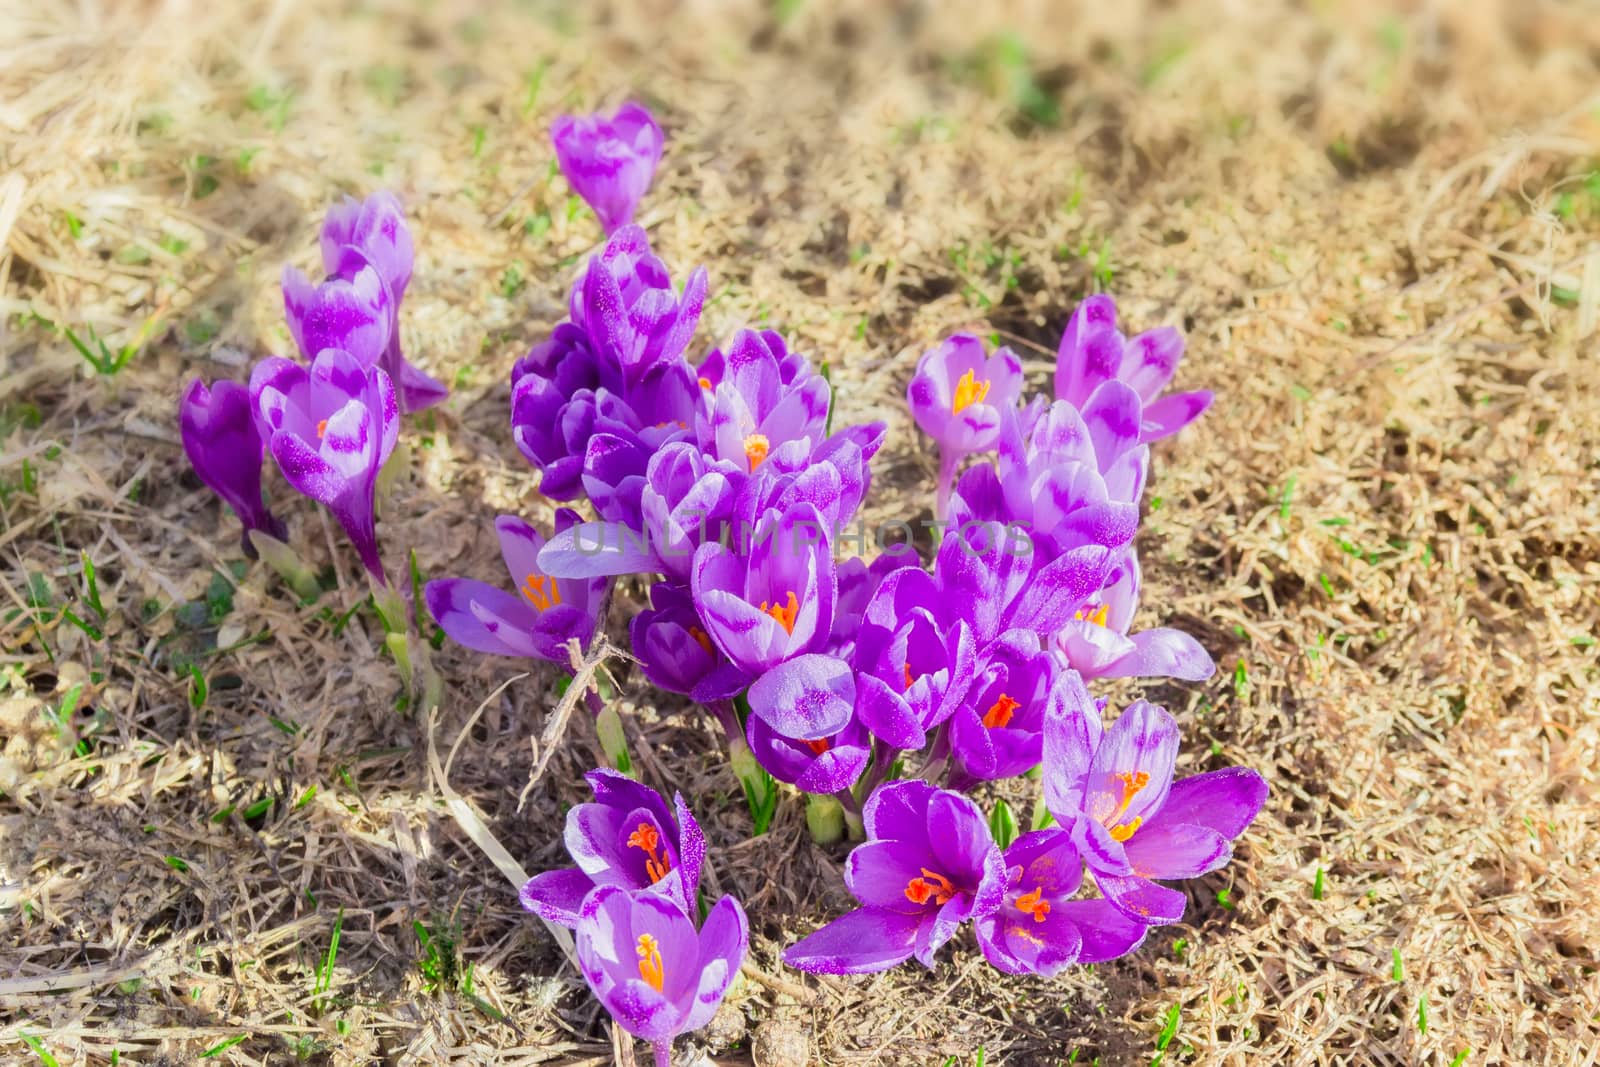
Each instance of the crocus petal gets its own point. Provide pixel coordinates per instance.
(858, 942)
(1163, 653)
(597, 549)
(723, 941)
(1225, 800)
(887, 715)
(808, 697)
(557, 896)
(1107, 932)
(1142, 899)
(1176, 850)
(1072, 733)
(1169, 414)
(481, 617)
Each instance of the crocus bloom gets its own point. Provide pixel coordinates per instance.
(1093, 351)
(538, 619)
(609, 161)
(1096, 642)
(354, 313)
(1039, 929)
(650, 968)
(819, 765)
(627, 838)
(676, 653)
(998, 730)
(331, 428)
(1065, 482)
(927, 866)
(754, 411)
(684, 500)
(1113, 789)
(770, 599)
(792, 365)
(956, 396)
(377, 227)
(220, 436)
(625, 302)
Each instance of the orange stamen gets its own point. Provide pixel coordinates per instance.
(819, 746)
(705, 383)
(1030, 904)
(534, 588)
(930, 885)
(1098, 616)
(784, 613)
(1000, 713)
(1132, 782)
(646, 839)
(702, 639)
(650, 966)
(322, 429)
(756, 447)
(969, 391)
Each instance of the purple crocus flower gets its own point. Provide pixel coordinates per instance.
(676, 653)
(998, 730)
(609, 161)
(627, 838)
(376, 227)
(650, 968)
(956, 396)
(1039, 929)
(683, 499)
(754, 412)
(928, 865)
(353, 312)
(220, 436)
(1066, 482)
(625, 302)
(1096, 642)
(1113, 789)
(792, 365)
(1093, 351)
(820, 765)
(772, 598)
(331, 428)
(538, 619)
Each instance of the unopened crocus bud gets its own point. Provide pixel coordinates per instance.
(224, 445)
(825, 819)
(287, 562)
(609, 161)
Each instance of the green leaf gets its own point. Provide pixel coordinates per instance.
(1003, 824)
(222, 1046)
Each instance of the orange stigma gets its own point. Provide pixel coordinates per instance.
(650, 966)
(705, 383)
(647, 840)
(1097, 616)
(756, 447)
(930, 886)
(702, 639)
(1030, 904)
(819, 746)
(784, 613)
(969, 391)
(1000, 713)
(910, 681)
(540, 590)
(322, 429)
(1131, 784)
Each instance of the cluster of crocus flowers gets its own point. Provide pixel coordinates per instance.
(330, 420)
(632, 902)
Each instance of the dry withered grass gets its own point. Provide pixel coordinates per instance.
(1377, 224)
